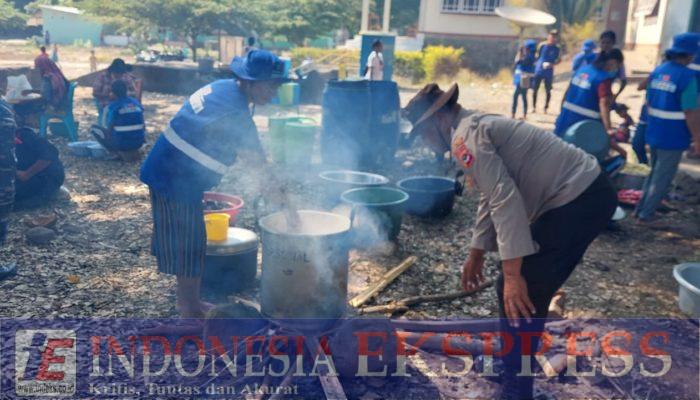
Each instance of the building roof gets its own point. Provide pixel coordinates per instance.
(67, 10)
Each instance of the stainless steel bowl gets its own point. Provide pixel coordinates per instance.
(339, 181)
(354, 178)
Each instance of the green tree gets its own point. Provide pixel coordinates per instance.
(188, 18)
(570, 12)
(11, 19)
(307, 19)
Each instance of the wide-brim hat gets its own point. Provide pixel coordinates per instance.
(259, 65)
(427, 102)
(118, 66)
(685, 43)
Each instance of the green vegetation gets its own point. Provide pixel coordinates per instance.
(11, 19)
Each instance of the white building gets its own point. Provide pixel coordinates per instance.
(489, 40)
(651, 25)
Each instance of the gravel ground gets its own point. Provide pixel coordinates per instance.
(99, 265)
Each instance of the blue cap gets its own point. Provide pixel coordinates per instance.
(685, 43)
(531, 44)
(588, 44)
(259, 65)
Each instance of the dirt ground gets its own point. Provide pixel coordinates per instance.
(100, 264)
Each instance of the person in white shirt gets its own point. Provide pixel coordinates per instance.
(374, 71)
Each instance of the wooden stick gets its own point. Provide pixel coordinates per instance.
(432, 298)
(389, 277)
(332, 387)
(404, 304)
(390, 308)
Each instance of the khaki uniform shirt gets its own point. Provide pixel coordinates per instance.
(521, 172)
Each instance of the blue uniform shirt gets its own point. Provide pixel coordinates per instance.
(548, 53)
(527, 65)
(666, 125)
(125, 117)
(200, 142)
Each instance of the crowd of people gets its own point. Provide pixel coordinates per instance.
(660, 137)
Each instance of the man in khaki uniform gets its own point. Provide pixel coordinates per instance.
(542, 202)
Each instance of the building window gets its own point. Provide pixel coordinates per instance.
(486, 7)
(450, 5)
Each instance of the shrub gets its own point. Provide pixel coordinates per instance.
(573, 35)
(441, 61)
(409, 64)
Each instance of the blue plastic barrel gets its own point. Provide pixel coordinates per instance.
(590, 136)
(360, 124)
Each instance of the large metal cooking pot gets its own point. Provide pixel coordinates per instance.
(337, 182)
(305, 269)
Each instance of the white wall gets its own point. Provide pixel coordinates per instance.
(677, 20)
(432, 20)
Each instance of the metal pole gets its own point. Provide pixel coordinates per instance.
(387, 15)
(364, 24)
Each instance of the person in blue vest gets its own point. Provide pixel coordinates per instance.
(586, 56)
(522, 76)
(195, 150)
(589, 96)
(672, 120)
(122, 128)
(548, 56)
(8, 174)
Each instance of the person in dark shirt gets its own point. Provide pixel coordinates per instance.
(40, 172)
(607, 41)
(548, 55)
(7, 176)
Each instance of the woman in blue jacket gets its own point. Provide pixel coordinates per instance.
(522, 76)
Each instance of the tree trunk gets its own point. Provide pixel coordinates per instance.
(193, 45)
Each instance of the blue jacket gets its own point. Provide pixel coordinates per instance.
(666, 124)
(125, 117)
(582, 101)
(526, 64)
(548, 53)
(201, 142)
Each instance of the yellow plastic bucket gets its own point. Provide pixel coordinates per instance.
(217, 226)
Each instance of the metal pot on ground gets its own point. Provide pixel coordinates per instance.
(231, 265)
(304, 268)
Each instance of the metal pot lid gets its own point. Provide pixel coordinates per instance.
(238, 241)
